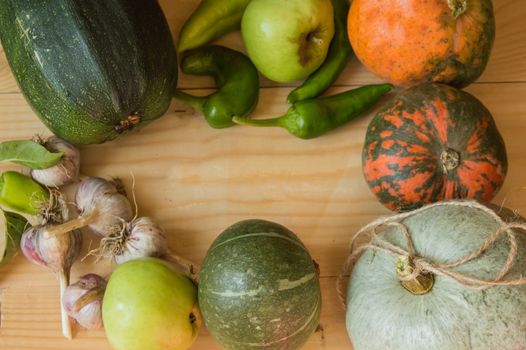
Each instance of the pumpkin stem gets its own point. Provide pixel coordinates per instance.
(450, 160)
(420, 284)
(457, 7)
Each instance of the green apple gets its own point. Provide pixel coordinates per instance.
(150, 305)
(288, 40)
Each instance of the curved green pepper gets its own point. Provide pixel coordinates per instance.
(312, 118)
(212, 19)
(21, 193)
(337, 57)
(236, 78)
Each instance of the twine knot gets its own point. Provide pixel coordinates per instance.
(413, 269)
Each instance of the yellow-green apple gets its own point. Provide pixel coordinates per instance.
(150, 305)
(288, 40)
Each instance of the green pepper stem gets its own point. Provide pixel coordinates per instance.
(195, 102)
(279, 121)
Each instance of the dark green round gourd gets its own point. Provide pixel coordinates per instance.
(90, 69)
(259, 288)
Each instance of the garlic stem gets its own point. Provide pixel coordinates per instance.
(75, 224)
(66, 325)
(96, 293)
(189, 268)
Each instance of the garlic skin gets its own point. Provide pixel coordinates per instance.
(144, 238)
(83, 300)
(57, 252)
(105, 202)
(67, 169)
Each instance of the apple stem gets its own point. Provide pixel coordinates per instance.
(260, 122)
(195, 102)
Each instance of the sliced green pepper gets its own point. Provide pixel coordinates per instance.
(236, 78)
(311, 118)
(212, 19)
(21, 193)
(337, 57)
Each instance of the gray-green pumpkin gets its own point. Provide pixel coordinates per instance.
(382, 314)
(259, 288)
(90, 69)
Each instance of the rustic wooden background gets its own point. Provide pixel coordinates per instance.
(197, 181)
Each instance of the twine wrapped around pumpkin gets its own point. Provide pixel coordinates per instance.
(423, 265)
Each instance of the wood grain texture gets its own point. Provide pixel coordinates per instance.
(507, 63)
(197, 181)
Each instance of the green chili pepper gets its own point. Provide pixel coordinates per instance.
(211, 20)
(236, 78)
(21, 193)
(337, 57)
(311, 118)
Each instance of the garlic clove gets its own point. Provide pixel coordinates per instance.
(66, 171)
(83, 301)
(57, 252)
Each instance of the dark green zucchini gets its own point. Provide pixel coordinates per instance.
(91, 69)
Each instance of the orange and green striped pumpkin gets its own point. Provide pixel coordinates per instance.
(431, 143)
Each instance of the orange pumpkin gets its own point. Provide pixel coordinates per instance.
(409, 42)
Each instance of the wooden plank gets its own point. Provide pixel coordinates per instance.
(507, 63)
(196, 181)
(31, 318)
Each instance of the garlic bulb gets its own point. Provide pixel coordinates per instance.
(144, 238)
(83, 300)
(66, 171)
(103, 197)
(103, 208)
(56, 252)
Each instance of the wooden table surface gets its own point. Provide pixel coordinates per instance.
(197, 181)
